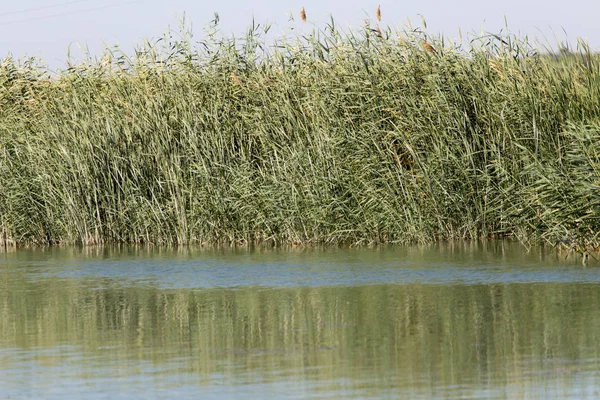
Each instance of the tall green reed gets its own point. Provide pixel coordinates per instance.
(329, 136)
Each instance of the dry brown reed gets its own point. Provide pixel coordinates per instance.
(235, 78)
(303, 15)
(378, 13)
(496, 66)
(429, 48)
(379, 34)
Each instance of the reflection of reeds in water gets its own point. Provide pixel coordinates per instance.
(453, 333)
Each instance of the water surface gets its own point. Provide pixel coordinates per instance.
(491, 320)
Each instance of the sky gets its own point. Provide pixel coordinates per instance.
(47, 29)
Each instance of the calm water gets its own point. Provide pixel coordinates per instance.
(465, 321)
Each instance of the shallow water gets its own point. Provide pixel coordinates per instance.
(491, 320)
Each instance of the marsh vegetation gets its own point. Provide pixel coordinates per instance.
(359, 136)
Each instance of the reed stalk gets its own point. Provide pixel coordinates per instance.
(331, 137)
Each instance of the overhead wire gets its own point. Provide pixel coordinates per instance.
(46, 7)
(66, 13)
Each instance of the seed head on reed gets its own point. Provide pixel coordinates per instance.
(378, 13)
(496, 66)
(235, 78)
(303, 15)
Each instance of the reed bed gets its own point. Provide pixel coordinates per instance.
(364, 136)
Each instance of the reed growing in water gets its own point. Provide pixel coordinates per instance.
(329, 137)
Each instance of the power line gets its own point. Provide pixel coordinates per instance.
(33, 9)
(63, 14)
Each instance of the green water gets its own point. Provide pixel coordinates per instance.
(474, 321)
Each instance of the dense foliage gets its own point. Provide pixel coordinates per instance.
(331, 137)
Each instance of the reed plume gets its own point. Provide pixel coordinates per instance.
(235, 78)
(303, 15)
(378, 13)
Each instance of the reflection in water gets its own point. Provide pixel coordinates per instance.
(66, 333)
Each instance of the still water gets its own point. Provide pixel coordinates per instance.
(491, 320)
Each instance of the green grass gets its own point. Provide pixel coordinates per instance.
(330, 137)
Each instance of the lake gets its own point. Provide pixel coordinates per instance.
(464, 320)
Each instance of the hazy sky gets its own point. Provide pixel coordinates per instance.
(46, 28)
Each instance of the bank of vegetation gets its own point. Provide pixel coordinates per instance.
(360, 136)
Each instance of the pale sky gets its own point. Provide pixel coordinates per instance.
(46, 28)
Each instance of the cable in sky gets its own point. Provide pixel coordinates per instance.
(33, 9)
(63, 14)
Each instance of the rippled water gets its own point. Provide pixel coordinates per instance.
(491, 320)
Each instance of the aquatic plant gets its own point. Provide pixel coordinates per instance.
(327, 136)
